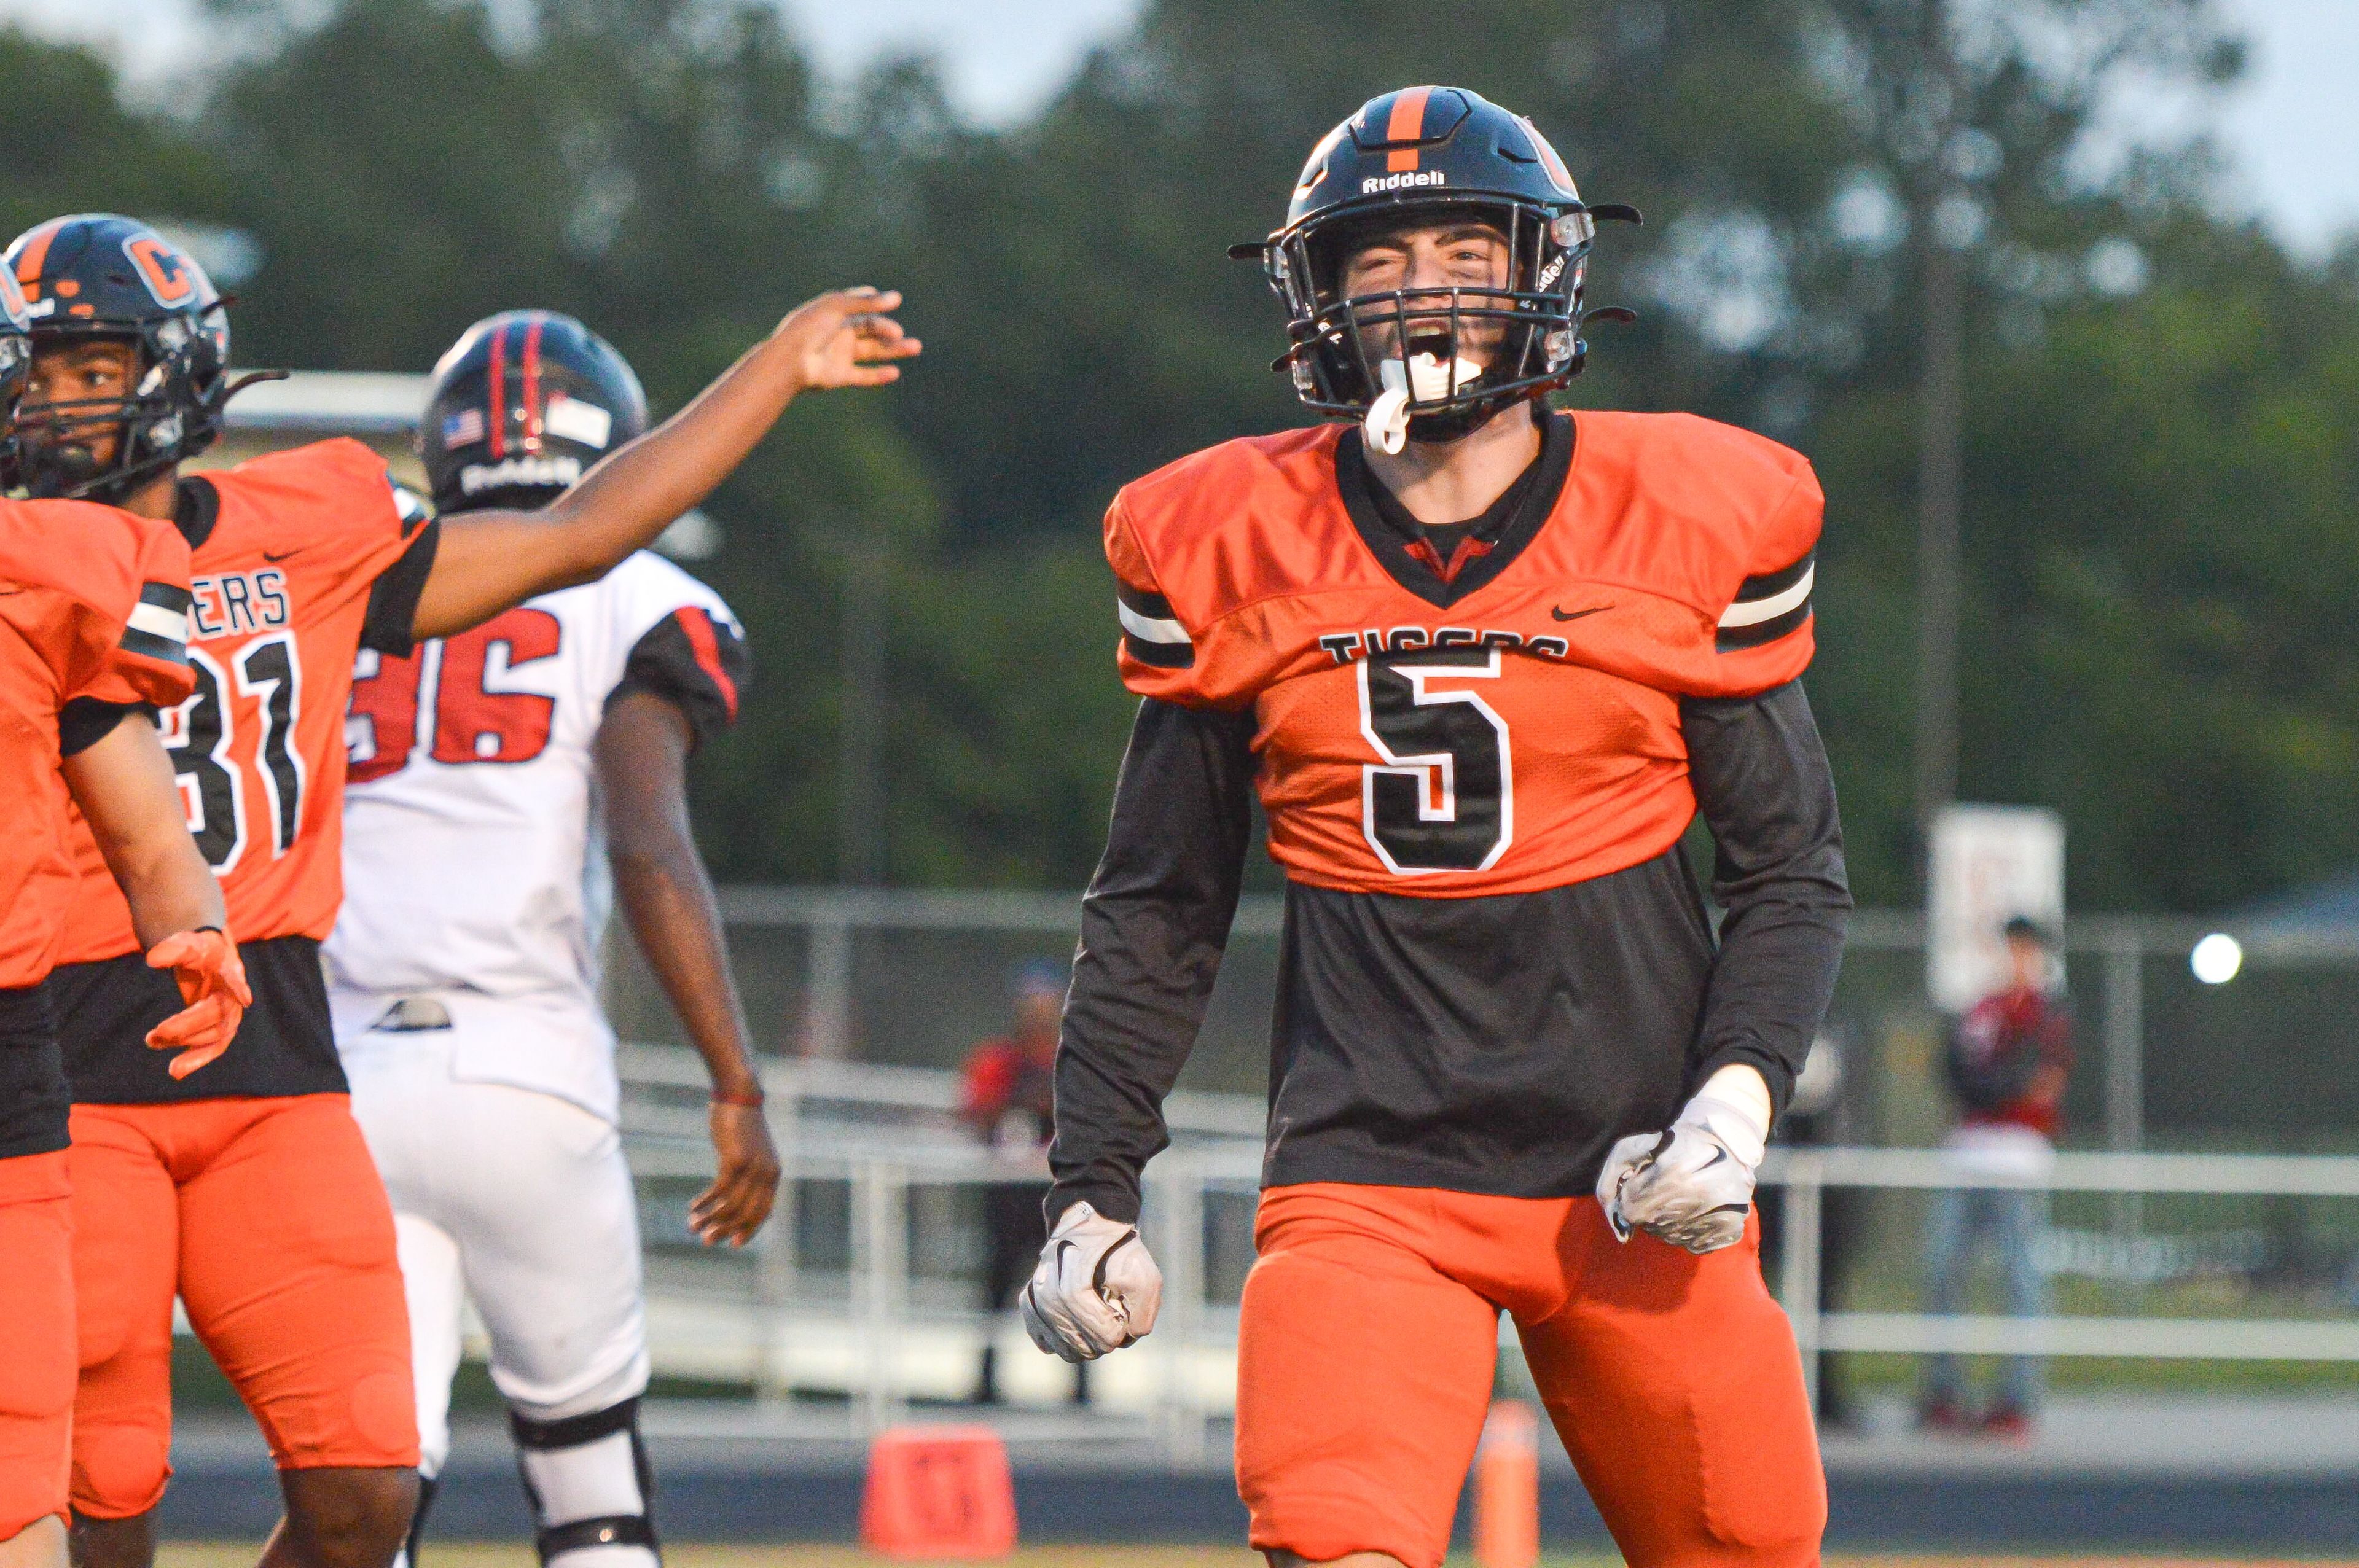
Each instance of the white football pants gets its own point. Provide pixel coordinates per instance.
(521, 1200)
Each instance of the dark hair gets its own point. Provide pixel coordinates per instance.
(2023, 928)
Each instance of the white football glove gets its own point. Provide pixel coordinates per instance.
(1095, 1289)
(1692, 1184)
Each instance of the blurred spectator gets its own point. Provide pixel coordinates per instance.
(2008, 1067)
(1817, 1116)
(1008, 1097)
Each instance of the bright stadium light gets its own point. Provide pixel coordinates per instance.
(2216, 958)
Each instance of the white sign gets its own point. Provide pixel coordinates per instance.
(1988, 865)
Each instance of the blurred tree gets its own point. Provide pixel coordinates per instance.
(405, 179)
(2164, 491)
(71, 146)
(2157, 474)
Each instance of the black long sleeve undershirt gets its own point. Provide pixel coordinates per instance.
(1764, 787)
(1488, 1044)
(1155, 922)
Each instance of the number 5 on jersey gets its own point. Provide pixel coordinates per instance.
(1443, 798)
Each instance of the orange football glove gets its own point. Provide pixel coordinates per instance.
(213, 983)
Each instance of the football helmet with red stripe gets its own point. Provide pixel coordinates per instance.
(1410, 159)
(521, 408)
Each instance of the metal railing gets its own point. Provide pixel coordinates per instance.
(830, 918)
(1807, 1173)
(875, 1335)
(887, 1135)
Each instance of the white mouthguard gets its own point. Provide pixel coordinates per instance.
(1425, 377)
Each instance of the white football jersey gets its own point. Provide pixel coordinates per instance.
(475, 866)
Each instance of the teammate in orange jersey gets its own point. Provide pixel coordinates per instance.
(92, 629)
(252, 1194)
(1483, 663)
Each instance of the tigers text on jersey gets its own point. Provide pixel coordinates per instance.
(298, 557)
(472, 862)
(94, 615)
(1513, 729)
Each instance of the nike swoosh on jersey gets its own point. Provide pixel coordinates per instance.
(1562, 614)
(281, 556)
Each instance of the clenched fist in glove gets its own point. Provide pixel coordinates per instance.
(212, 979)
(1095, 1290)
(1693, 1185)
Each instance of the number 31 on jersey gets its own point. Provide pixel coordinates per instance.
(229, 800)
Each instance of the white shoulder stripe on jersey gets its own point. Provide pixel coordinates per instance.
(1148, 629)
(1751, 612)
(172, 625)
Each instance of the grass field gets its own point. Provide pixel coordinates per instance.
(226, 1555)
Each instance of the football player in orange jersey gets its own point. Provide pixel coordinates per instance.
(250, 1192)
(1483, 663)
(92, 629)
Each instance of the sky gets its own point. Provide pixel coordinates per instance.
(2292, 127)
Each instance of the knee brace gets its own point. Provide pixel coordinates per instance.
(591, 1487)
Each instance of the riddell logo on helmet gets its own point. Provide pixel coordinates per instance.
(1375, 183)
(478, 477)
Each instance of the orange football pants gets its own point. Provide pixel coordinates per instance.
(37, 1336)
(267, 1218)
(1368, 1339)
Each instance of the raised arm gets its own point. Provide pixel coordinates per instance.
(488, 561)
(642, 756)
(123, 781)
(1154, 925)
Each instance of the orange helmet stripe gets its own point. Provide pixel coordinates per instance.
(35, 252)
(1405, 123)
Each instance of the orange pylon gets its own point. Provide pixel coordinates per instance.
(1508, 1489)
(938, 1492)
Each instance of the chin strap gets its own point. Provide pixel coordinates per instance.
(1423, 376)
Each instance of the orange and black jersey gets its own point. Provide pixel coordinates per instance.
(94, 621)
(301, 558)
(1477, 747)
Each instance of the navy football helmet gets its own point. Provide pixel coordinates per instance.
(97, 275)
(522, 405)
(1414, 157)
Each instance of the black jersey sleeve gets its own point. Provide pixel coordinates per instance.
(391, 626)
(84, 722)
(1155, 922)
(694, 660)
(1761, 781)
